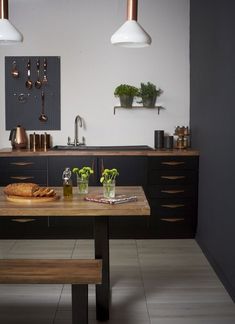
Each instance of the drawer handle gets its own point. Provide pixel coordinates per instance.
(173, 177)
(172, 191)
(172, 163)
(22, 163)
(173, 206)
(23, 220)
(172, 220)
(22, 177)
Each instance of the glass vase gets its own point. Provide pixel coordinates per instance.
(82, 186)
(109, 189)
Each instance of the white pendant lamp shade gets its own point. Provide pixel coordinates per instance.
(8, 32)
(131, 34)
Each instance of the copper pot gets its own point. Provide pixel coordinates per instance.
(18, 138)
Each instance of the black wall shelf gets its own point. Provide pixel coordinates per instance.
(138, 108)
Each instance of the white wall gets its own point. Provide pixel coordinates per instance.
(79, 32)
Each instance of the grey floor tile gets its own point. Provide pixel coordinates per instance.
(152, 282)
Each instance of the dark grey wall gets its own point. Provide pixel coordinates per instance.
(212, 118)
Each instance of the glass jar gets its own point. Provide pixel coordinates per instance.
(109, 189)
(82, 185)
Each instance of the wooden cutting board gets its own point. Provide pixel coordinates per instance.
(19, 199)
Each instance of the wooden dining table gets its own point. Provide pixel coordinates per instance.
(77, 206)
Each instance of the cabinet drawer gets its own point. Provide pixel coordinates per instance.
(172, 177)
(23, 163)
(36, 176)
(168, 191)
(177, 227)
(173, 163)
(22, 226)
(172, 207)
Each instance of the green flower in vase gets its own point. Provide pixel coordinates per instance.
(83, 175)
(108, 180)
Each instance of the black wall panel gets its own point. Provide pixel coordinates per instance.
(23, 105)
(212, 118)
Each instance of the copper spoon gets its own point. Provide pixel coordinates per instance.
(43, 117)
(38, 83)
(44, 80)
(14, 72)
(29, 83)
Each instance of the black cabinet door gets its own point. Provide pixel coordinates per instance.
(57, 164)
(132, 172)
(70, 227)
(132, 169)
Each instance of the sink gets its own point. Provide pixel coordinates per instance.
(103, 148)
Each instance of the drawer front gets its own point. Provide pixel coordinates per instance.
(168, 191)
(23, 163)
(22, 226)
(177, 227)
(172, 177)
(173, 163)
(35, 176)
(172, 207)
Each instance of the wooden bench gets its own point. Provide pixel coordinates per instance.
(78, 273)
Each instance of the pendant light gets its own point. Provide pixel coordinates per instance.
(131, 34)
(8, 33)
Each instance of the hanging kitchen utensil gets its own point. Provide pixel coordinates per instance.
(14, 72)
(38, 83)
(44, 80)
(29, 83)
(43, 117)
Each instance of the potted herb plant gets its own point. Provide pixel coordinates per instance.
(149, 93)
(126, 94)
(108, 180)
(83, 175)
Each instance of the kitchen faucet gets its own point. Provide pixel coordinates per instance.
(77, 122)
(76, 139)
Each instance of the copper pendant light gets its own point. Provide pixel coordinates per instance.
(131, 34)
(8, 33)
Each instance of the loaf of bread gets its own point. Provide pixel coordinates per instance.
(28, 190)
(21, 189)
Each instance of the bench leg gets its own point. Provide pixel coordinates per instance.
(80, 304)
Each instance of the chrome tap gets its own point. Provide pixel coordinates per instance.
(76, 139)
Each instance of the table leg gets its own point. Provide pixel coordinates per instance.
(101, 235)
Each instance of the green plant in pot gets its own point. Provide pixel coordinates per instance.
(108, 180)
(83, 175)
(149, 93)
(126, 94)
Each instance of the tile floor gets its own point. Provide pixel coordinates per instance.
(153, 282)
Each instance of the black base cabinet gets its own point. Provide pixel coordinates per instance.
(170, 184)
(172, 195)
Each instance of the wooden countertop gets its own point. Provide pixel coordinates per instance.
(77, 206)
(8, 152)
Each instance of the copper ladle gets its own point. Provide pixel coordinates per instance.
(43, 117)
(29, 83)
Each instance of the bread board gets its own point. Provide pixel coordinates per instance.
(20, 199)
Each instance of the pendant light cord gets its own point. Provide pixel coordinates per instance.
(132, 9)
(3, 9)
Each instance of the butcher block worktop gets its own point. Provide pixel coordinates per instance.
(77, 206)
(8, 152)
